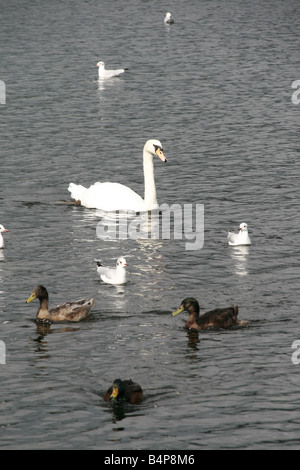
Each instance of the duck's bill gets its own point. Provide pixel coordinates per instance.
(114, 393)
(179, 310)
(159, 152)
(31, 298)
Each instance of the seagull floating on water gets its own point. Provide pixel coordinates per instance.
(115, 275)
(103, 73)
(240, 238)
(2, 229)
(168, 18)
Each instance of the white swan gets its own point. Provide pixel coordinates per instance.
(103, 73)
(115, 275)
(240, 238)
(115, 196)
(2, 229)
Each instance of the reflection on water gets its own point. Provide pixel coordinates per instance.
(119, 225)
(193, 339)
(108, 84)
(43, 328)
(201, 385)
(240, 256)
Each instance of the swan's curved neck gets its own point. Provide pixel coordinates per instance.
(150, 190)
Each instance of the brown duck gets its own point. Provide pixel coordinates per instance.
(70, 311)
(124, 391)
(218, 318)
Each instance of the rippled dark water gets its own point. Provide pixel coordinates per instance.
(215, 88)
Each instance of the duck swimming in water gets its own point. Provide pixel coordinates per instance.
(219, 317)
(124, 391)
(70, 311)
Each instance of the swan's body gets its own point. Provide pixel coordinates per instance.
(115, 275)
(103, 73)
(2, 229)
(168, 18)
(240, 238)
(115, 196)
(70, 311)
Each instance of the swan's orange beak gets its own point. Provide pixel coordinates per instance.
(160, 154)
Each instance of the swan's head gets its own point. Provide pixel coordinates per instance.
(100, 64)
(243, 227)
(154, 147)
(122, 262)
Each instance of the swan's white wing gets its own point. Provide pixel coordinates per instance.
(108, 197)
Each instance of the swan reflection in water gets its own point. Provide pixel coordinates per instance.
(120, 225)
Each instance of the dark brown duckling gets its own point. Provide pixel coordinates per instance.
(218, 318)
(123, 391)
(70, 311)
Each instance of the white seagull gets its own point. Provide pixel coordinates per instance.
(240, 238)
(168, 18)
(103, 73)
(2, 229)
(115, 275)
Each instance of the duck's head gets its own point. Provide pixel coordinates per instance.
(122, 262)
(189, 304)
(154, 147)
(39, 292)
(243, 227)
(118, 390)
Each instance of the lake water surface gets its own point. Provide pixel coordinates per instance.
(215, 88)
